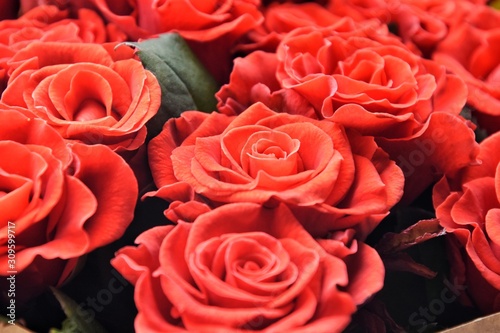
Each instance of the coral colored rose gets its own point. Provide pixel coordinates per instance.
(361, 10)
(49, 24)
(279, 19)
(263, 273)
(262, 156)
(60, 201)
(81, 91)
(471, 51)
(73, 5)
(422, 23)
(253, 80)
(468, 207)
(366, 80)
(200, 19)
(358, 75)
(370, 82)
(211, 27)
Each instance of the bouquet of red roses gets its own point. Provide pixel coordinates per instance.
(246, 165)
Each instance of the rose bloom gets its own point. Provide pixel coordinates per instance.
(265, 157)
(281, 18)
(264, 273)
(210, 27)
(194, 19)
(423, 23)
(364, 79)
(420, 23)
(27, 5)
(477, 62)
(59, 202)
(87, 92)
(361, 10)
(468, 207)
(252, 80)
(48, 23)
(360, 76)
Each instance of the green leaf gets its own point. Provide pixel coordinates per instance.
(185, 83)
(76, 321)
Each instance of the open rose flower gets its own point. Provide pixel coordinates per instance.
(367, 80)
(266, 157)
(253, 80)
(49, 24)
(264, 273)
(422, 22)
(211, 27)
(59, 201)
(419, 23)
(360, 76)
(281, 18)
(85, 91)
(200, 19)
(72, 5)
(477, 62)
(468, 207)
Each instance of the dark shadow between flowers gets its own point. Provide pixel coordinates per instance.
(436, 308)
(101, 293)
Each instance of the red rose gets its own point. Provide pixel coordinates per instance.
(27, 5)
(210, 27)
(281, 18)
(49, 24)
(263, 273)
(375, 84)
(59, 202)
(361, 10)
(360, 76)
(84, 93)
(364, 79)
(422, 22)
(261, 156)
(471, 51)
(200, 20)
(468, 207)
(253, 80)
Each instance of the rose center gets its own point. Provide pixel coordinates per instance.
(275, 153)
(252, 264)
(91, 109)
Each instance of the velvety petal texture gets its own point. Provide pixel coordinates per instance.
(468, 207)
(200, 19)
(477, 62)
(212, 28)
(57, 199)
(392, 90)
(48, 23)
(266, 157)
(264, 273)
(280, 19)
(361, 76)
(83, 92)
